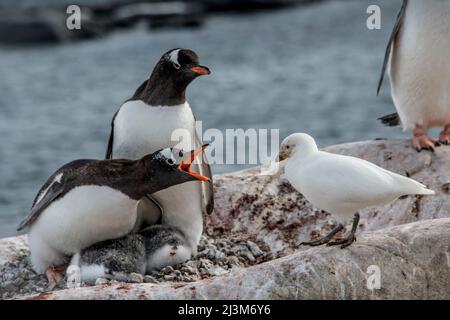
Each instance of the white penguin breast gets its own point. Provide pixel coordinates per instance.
(140, 129)
(84, 216)
(420, 65)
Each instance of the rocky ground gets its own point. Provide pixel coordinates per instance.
(216, 257)
(406, 242)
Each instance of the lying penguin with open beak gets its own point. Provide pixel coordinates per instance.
(89, 201)
(154, 248)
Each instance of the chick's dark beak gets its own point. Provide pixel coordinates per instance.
(200, 70)
(186, 163)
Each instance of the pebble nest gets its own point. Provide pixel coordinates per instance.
(215, 257)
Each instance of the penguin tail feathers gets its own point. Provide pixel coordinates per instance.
(390, 120)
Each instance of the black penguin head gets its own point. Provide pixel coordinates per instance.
(182, 66)
(172, 74)
(169, 167)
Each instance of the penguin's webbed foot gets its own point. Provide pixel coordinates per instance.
(54, 274)
(422, 141)
(444, 136)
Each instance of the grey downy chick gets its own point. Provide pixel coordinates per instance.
(115, 259)
(154, 248)
(165, 246)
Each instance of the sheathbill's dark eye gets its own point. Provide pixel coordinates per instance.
(170, 161)
(180, 154)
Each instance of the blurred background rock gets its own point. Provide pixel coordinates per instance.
(295, 65)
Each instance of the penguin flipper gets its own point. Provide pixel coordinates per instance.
(109, 149)
(395, 31)
(52, 189)
(138, 94)
(55, 191)
(207, 187)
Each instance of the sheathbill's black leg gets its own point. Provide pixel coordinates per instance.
(350, 238)
(325, 239)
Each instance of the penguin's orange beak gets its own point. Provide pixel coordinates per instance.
(186, 163)
(200, 70)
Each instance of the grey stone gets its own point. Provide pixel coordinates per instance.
(150, 279)
(101, 281)
(256, 251)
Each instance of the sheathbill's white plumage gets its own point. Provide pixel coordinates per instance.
(341, 185)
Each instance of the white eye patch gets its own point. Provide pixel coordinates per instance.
(167, 154)
(177, 154)
(172, 155)
(173, 56)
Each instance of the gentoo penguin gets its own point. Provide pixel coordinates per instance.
(147, 121)
(419, 70)
(155, 247)
(88, 201)
(341, 185)
(165, 246)
(114, 259)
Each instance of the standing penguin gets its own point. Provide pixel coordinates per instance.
(146, 122)
(419, 70)
(88, 201)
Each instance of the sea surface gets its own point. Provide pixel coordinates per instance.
(312, 69)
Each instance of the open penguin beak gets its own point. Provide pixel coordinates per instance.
(186, 163)
(200, 70)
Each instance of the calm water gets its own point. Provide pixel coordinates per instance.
(311, 69)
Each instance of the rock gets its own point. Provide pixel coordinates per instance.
(167, 270)
(136, 277)
(255, 250)
(44, 25)
(188, 270)
(193, 264)
(39, 24)
(406, 243)
(250, 5)
(150, 279)
(413, 261)
(101, 281)
(247, 255)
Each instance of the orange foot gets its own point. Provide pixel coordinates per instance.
(54, 274)
(422, 141)
(444, 136)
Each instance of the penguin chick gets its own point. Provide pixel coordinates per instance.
(112, 259)
(154, 248)
(165, 246)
